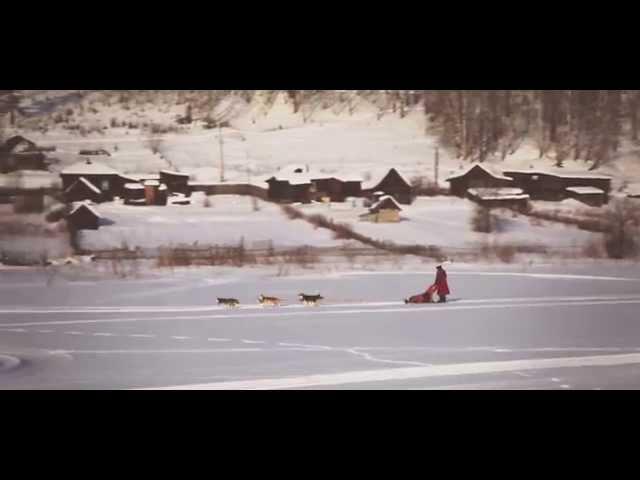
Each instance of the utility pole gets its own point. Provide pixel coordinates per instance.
(221, 154)
(437, 165)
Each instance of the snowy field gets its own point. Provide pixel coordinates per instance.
(553, 327)
(439, 221)
(446, 222)
(227, 221)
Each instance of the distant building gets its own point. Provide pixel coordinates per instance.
(513, 198)
(105, 178)
(91, 153)
(385, 210)
(83, 217)
(133, 194)
(477, 176)
(175, 181)
(592, 196)
(19, 153)
(393, 184)
(299, 184)
(82, 189)
(553, 186)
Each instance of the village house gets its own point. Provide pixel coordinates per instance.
(83, 217)
(103, 177)
(513, 198)
(385, 210)
(553, 186)
(291, 184)
(299, 184)
(90, 153)
(393, 184)
(175, 181)
(477, 176)
(19, 153)
(83, 189)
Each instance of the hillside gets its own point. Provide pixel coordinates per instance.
(336, 131)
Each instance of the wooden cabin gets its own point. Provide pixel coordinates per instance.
(385, 210)
(394, 184)
(553, 186)
(102, 176)
(82, 189)
(175, 181)
(83, 217)
(477, 176)
(19, 153)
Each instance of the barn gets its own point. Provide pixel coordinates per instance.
(83, 189)
(553, 186)
(385, 210)
(102, 176)
(393, 184)
(291, 184)
(477, 176)
(175, 181)
(336, 189)
(83, 217)
(19, 153)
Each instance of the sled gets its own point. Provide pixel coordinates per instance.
(426, 297)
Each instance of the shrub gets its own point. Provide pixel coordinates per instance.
(622, 222)
(506, 253)
(482, 221)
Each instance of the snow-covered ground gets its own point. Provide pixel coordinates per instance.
(229, 219)
(439, 221)
(446, 222)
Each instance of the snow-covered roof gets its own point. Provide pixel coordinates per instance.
(560, 174)
(299, 175)
(179, 174)
(295, 175)
(498, 193)
(89, 184)
(129, 178)
(151, 183)
(79, 205)
(585, 190)
(376, 181)
(386, 199)
(89, 167)
(134, 186)
(142, 176)
(484, 168)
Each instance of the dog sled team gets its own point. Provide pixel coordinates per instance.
(265, 301)
(439, 288)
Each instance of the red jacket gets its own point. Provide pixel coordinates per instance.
(441, 282)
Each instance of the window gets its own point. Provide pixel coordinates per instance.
(104, 185)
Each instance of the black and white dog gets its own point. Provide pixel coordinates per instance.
(310, 299)
(228, 302)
